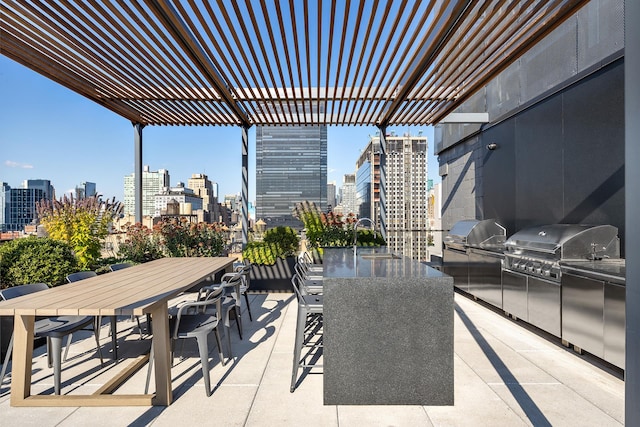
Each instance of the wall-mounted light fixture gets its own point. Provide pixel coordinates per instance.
(492, 146)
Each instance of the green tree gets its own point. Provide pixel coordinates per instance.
(82, 223)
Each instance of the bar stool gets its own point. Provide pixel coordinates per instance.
(308, 327)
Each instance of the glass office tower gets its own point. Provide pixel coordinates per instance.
(291, 167)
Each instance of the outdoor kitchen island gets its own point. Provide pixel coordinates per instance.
(388, 330)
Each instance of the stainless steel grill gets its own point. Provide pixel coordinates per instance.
(484, 234)
(539, 251)
(473, 255)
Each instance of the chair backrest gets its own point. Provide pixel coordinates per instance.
(120, 266)
(302, 272)
(80, 275)
(245, 270)
(18, 291)
(200, 306)
(296, 281)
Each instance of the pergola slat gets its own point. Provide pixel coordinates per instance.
(159, 62)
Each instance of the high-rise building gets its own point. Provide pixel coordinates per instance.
(407, 213)
(85, 189)
(349, 201)
(5, 195)
(407, 196)
(18, 205)
(153, 183)
(291, 167)
(368, 182)
(203, 188)
(22, 207)
(49, 193)
(331, 196)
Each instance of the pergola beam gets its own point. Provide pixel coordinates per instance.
(166, 13)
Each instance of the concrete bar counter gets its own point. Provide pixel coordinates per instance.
(388, 330)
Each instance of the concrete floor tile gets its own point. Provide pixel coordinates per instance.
(504, 375)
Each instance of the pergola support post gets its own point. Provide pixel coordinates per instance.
(245, 186)
(632, 210)
(383, 181)
(137, 180)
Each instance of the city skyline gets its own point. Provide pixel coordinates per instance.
(50, 132)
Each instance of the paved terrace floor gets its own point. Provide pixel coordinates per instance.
(505, 375)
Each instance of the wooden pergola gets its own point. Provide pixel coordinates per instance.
(259, 62)
(296, 62)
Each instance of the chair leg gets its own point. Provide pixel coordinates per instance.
(56, 355)
(246, 298)
(49, 361)
(297, 349)
(114, 337)
(219, 344)
(203, 349)
(96, 335)
(227, 332)
(236, 311)
(6, 359)
(149, 324)
(66, 349)
(149, 369)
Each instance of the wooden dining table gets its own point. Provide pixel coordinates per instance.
(139, 290)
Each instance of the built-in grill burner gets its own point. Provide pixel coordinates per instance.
(539, 251)
(472, 233)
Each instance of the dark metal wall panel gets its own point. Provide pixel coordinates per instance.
(500, 174)
(538, 165)
(593, 116)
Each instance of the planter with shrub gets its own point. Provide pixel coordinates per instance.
(273, 260)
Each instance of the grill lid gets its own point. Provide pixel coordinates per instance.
(478, 233)
(568, 241)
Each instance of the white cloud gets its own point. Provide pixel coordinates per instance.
(12, 164)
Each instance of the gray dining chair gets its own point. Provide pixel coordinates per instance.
(120, 266)
(197, 319)
(245, 269)
(54, 329)
(232, 302)
(81, 275)
(308, 329)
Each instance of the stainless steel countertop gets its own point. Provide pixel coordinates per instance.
(613, 270)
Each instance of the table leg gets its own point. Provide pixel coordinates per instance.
(22, 358)
(162, 355)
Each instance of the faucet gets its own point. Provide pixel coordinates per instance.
(355, 231)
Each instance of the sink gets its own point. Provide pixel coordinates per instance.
(380, 256)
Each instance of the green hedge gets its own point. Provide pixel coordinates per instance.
(35, 260)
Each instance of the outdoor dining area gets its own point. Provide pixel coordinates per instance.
(504, 374)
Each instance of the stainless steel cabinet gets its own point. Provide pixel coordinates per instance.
(593, 316)
(583, 313)
(614, 324)
(514, 294)
(543, 304)
(456, 264)
(485, 280)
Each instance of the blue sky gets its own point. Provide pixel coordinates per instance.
(49, 132)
